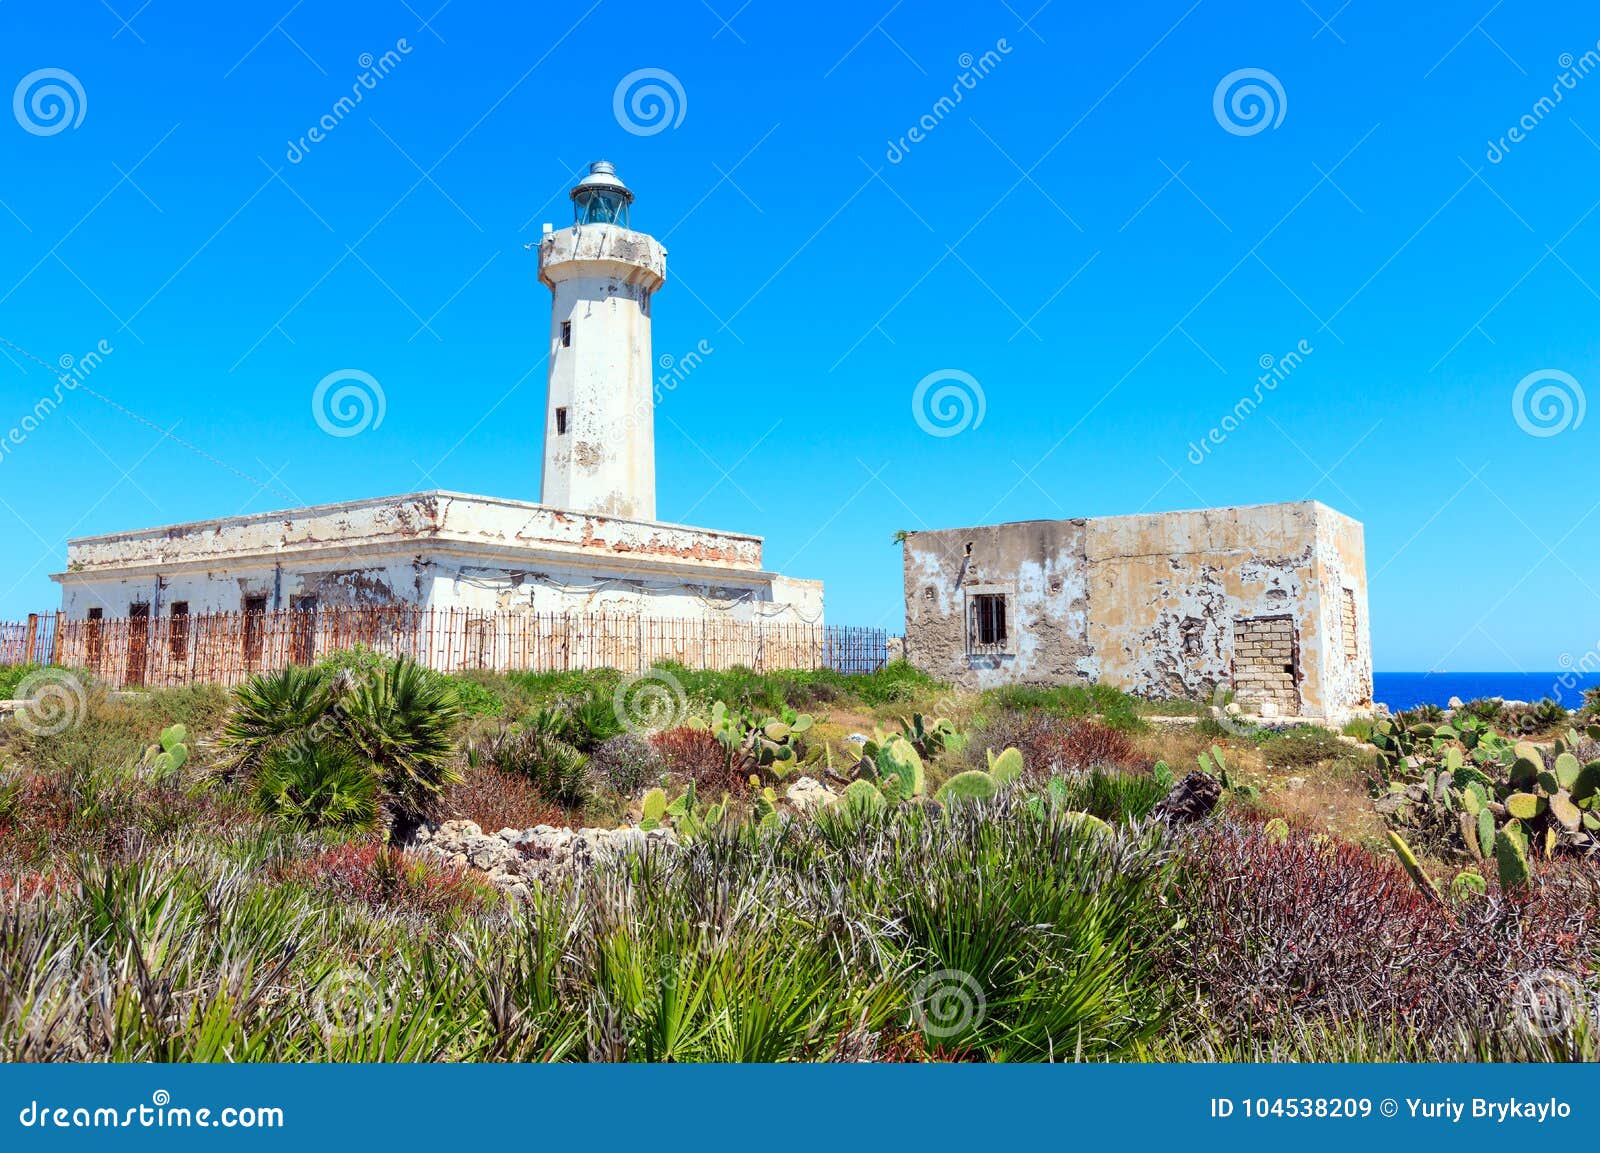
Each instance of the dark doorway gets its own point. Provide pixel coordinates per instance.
(255, 629)
(302, 630)
(138, 644)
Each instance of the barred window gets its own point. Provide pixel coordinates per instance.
(986, 621)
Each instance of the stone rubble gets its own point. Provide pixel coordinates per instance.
(512, 859)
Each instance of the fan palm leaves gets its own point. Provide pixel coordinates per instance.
(272, 711)
(403, 723)
(303, 736)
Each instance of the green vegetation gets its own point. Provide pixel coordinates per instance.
(1466, 788)
(1114, 709)
(197, 875)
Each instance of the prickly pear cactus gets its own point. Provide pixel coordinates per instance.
(972, 785)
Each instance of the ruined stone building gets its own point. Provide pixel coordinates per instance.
(1269, 601)
(592, 543)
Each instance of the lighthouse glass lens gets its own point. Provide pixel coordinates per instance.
(601, 208)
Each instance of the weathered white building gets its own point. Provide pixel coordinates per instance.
(591, 545)
(1269, 601)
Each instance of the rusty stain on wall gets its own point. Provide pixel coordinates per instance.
(436, 549)
(1152, 603)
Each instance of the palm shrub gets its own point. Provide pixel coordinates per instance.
(271, 711)
(292, 732)
(538, 752)
(317, 786)
(403, 723)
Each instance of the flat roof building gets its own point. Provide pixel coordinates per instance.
(1266, 601)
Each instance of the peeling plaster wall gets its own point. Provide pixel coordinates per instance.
(440, 550)
(1342, 553)
(1038, 564)
(1147, 603)
(1166, 588)
(601, 278)
(557, 589)
(364, 582)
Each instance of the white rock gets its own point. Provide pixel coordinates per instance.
(809, 793)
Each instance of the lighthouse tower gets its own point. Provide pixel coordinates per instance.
(599, 434)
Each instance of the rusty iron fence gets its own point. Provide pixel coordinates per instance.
(228, 648)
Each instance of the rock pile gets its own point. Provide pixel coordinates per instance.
(513, 858)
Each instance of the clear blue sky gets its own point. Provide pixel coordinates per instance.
(1082, 235)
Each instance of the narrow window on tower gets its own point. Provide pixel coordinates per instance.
(566, 334)
(561, 422)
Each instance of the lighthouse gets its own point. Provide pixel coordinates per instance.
(599, 435)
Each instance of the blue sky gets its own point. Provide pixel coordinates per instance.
(1105, 255)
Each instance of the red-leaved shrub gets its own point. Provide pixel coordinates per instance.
(1279, 930)
(1051, 745)
(697, 754)
(382, 877)
(494, 799)
(29, 884)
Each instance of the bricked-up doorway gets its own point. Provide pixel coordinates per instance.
(1266, 665)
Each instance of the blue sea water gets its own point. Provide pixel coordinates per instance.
(1406, 690)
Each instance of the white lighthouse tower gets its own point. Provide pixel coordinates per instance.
(599, 435)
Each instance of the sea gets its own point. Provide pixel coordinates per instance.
(1407, 690)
